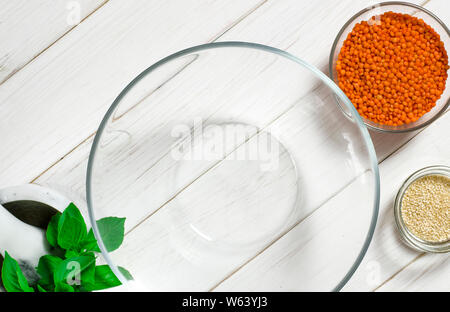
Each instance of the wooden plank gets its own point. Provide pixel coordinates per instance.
(72, 84)
(30, 27)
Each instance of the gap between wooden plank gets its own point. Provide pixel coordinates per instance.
(49, 46)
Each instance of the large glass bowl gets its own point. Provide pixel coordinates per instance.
(398, 7)
(235, 170)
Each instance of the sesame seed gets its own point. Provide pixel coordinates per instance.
(425, 208)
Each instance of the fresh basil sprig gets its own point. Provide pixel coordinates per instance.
(71, 267)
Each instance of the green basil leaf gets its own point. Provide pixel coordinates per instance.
(40, 289)
(71, 228)
(112, 231)
(72, 268)
(12, 276)
(71, 254)
(52, 230)
(105, 278)
(125, 273)
(63, 287)
(90, 243)
(46, 267)
(47, 288)
(88, 277)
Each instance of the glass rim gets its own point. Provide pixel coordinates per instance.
(407, 236)
(339, 35)
(239, 44)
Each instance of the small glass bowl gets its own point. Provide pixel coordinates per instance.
(397, 7)
(407, 236)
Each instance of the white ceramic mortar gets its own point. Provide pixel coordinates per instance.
(25, 242)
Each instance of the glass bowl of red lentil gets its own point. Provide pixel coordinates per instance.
(390, 59)
(421, 209)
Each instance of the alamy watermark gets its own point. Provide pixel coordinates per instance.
(74, 276)
(230, 141)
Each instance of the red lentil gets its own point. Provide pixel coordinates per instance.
(393, 68)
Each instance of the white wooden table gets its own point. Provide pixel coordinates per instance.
(63, 62)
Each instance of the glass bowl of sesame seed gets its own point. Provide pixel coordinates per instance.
(422, 209)
(391, 61)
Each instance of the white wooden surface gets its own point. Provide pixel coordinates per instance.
(57, 79)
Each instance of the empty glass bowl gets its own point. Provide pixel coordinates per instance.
(397, 7)
(235, 170)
